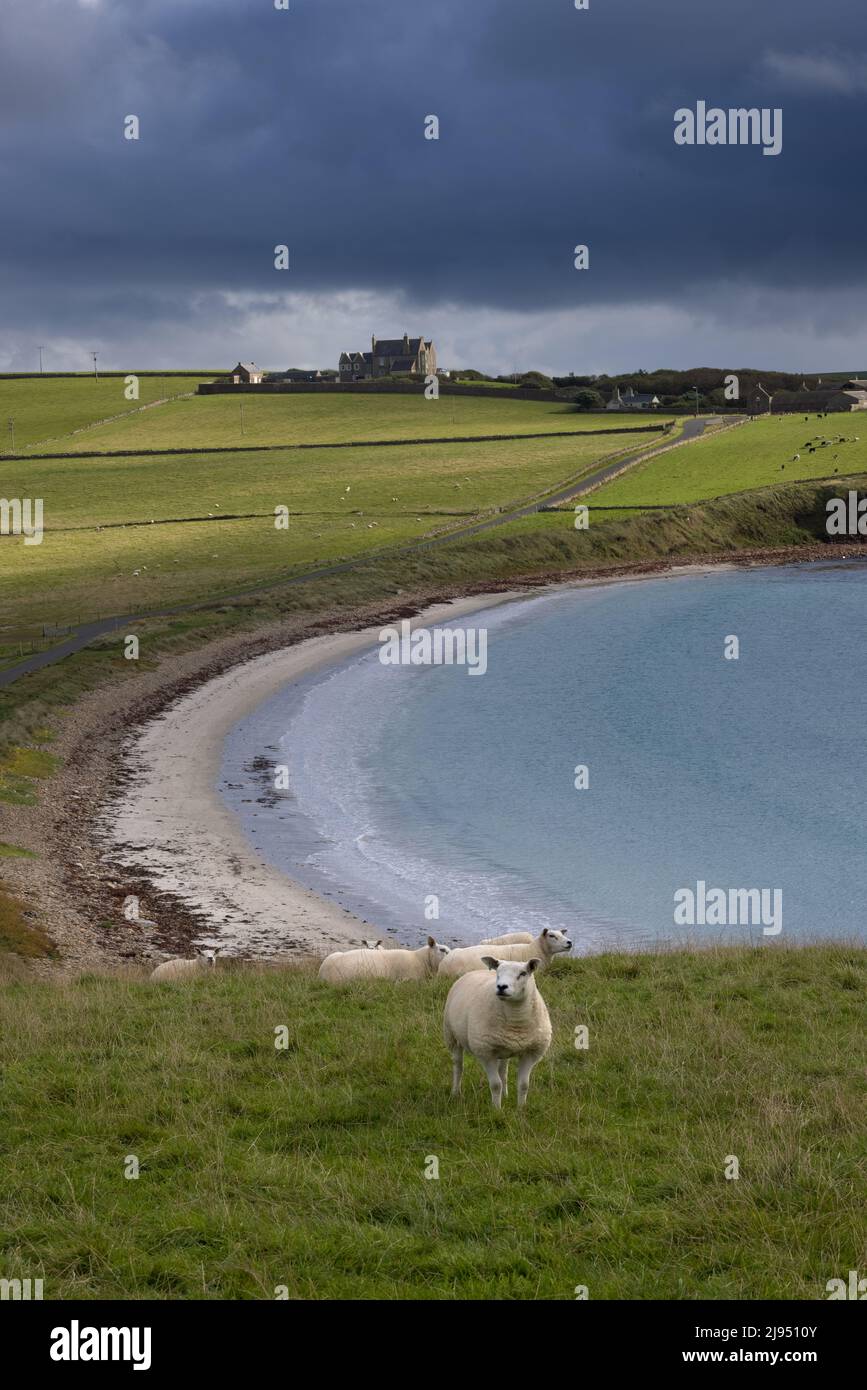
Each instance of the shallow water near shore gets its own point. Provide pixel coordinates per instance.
(409, 784)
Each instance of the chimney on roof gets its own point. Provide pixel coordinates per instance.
(406, 344)
(373, 344)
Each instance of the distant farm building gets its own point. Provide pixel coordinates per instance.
(304, 374)
(852, 395)
(630, 399)
(245, 372)
(389, 356)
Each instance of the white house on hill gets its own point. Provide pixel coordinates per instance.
(631, 399)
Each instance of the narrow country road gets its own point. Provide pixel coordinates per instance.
(86, 633)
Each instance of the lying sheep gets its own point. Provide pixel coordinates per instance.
(547, 945)
(179, 969)
(509, 938)
(342, 967)
(497, 1016)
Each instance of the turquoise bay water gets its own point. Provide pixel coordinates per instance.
(407, 782)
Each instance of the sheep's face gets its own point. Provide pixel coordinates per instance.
(207, 956)
(557, 941)
(513, 977)
(435, 953)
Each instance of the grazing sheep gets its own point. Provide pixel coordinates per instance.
(545, 946)
(180, 969)
(497, 1016)
(795, 458)
(509, 938)
(342, 967)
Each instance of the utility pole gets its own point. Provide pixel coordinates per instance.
(40, 351)
(241, 408)
(695, 389)
(94, 355)
(12, 433)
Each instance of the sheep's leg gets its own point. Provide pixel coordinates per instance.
(525, 1067)
(492, 1067)
(457, 1070)
(504, 1075)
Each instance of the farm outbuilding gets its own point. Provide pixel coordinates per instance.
(851, 395)
(246, 373)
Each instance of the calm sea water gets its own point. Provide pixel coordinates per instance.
(408, 783)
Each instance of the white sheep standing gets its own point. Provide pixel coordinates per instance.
(496, 1016)
(546, 945)
(509, 938)
(342, 967)
(177, 968)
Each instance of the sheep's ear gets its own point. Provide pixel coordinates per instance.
(490, 962)
(431, 941)
(533, 964)
(544, 931)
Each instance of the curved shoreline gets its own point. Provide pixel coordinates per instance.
(172, 825)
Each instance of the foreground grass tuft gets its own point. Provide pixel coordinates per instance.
(305, 1167)
(19, 937)
(18, 769)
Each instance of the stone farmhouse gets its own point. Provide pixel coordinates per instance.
(246, 373)
(406, 356)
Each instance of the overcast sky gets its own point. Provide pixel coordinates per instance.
(306, 127)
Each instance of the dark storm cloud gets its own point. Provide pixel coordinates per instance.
(259, 127)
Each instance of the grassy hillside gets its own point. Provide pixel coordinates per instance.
(305, 1167)
(49, 409)
(204, 421)
(543, 545)
(756, 454)
(342, 504)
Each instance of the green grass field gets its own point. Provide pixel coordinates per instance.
(48, 410)
(232, 421)
(343, 503)
(305, 1167)
(757, 454)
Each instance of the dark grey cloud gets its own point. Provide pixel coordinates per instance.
(259, 127)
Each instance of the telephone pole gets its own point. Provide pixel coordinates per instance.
(94, 355)
(40, 350)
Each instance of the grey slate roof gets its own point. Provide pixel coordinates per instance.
(394, 347)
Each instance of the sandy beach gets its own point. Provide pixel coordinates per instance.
(171, 824)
